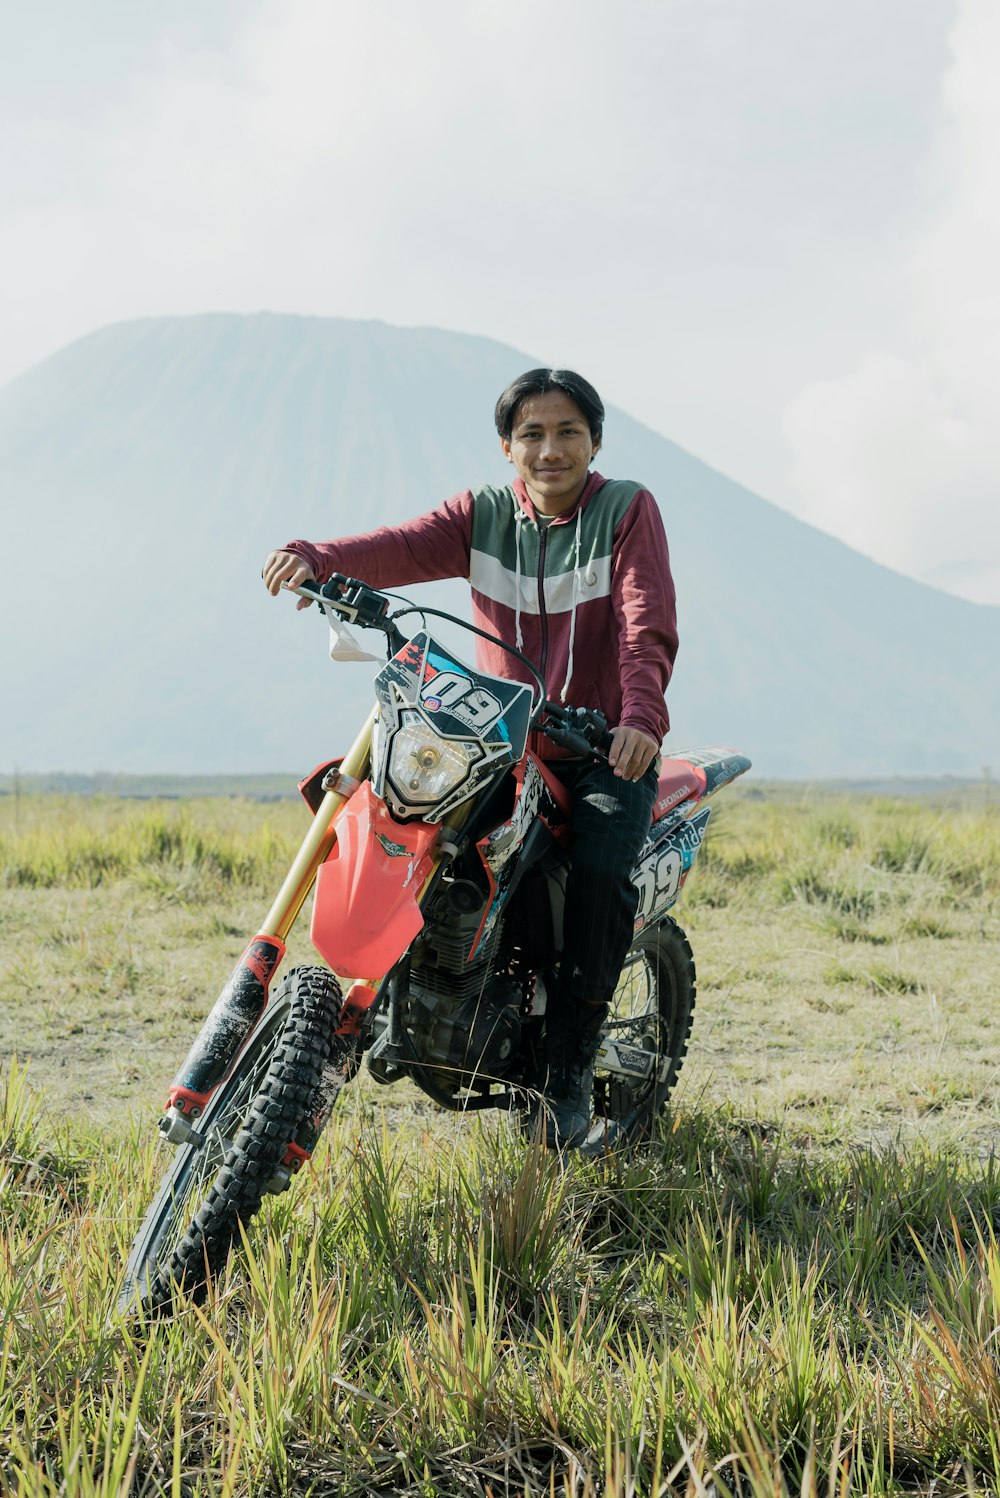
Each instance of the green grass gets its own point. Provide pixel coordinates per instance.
(59, 842)
(795, 1290)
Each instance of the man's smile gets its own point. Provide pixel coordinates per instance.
(551, 447)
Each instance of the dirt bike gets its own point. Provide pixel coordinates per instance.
(438, 850)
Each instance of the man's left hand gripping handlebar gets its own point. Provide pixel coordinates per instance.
(285, 567)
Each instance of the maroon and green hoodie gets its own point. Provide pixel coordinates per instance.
(587, 595)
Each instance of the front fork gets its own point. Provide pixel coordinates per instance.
(242, 1001)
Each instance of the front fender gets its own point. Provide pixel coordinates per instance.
(365, 911)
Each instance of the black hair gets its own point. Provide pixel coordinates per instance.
(541, 382)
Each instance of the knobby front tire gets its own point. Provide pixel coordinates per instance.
(279, 1080)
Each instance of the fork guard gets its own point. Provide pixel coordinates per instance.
(365, 910)
(232, 1017)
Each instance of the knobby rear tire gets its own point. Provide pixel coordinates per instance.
(653, 1008)
(277, 1083)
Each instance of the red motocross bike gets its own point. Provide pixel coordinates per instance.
(438, 850)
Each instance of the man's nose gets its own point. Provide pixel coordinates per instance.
(551, 445)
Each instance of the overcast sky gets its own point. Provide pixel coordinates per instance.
(770, 229)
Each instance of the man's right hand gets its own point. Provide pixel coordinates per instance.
(286, 567)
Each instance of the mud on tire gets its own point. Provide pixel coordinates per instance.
(278, 1083)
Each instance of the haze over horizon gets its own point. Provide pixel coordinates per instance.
(770, 235)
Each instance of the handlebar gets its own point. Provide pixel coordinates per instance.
(582, 730)
(356, 603)
(353, 600)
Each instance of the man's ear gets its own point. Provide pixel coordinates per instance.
(505, 448)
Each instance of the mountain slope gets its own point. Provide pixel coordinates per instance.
(148, 468)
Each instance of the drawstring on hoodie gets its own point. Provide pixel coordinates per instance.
(518, 522)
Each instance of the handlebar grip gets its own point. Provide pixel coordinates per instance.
(570, 739)
(604, 741)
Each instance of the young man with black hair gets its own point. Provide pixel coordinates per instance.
(573, 569)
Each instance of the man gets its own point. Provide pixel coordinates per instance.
(574, 571)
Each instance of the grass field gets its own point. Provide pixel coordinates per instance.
(796, 1289)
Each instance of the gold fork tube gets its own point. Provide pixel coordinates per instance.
(317, 843)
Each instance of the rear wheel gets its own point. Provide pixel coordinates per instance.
(651, 1012)
(286, 1075)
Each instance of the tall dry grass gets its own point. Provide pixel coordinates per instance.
(427, 1316)
(749, 1306)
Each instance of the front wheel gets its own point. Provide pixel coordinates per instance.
(285, 1077)
(652, 1011)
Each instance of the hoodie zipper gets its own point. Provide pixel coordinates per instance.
(542, 615)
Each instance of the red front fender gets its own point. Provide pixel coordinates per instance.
(365, 911)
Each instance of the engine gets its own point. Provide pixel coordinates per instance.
(462, 1018)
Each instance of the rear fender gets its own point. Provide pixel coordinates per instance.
(365, 911)
(691, 775)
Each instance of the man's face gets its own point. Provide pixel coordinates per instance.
(551, 447)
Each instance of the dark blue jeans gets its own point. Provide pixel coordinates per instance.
(610, 820)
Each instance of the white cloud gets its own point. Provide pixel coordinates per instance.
(334, 159)
(901, 457)
(652, 192)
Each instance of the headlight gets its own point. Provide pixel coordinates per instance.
(424, 767)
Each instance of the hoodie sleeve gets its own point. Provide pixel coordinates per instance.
(432, 546)
(642, 593)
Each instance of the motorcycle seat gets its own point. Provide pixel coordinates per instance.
(696, 773)
(678, 781)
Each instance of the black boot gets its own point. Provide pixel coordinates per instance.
(573, 1032)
